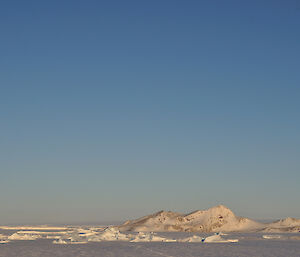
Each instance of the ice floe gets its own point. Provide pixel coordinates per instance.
(192, 239)
(60, 241)
(150, 237)
(216, 238)
(23, 236)
(271, 236)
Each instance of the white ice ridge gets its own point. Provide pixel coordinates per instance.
(44, 227)
(113, 234)
(21, 236)
(85, 235)
(150, 237)
(216, 238)
(271, 236)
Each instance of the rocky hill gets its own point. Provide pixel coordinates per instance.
(215, 219)
(284, 225)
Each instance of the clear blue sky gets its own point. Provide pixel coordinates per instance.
(115, 109)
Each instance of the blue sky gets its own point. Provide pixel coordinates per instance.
(111, 110)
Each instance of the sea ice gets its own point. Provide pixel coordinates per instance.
(271, 236)
(21, 236)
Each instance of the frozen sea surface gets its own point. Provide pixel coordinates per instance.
(249, 245)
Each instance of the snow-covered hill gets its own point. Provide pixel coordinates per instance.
(215, 219)
(284, 225)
